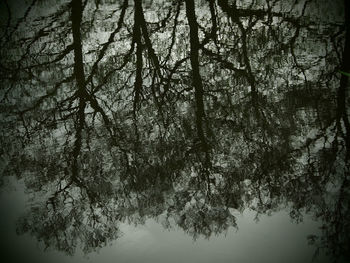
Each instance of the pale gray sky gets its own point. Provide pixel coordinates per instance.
(273, 239)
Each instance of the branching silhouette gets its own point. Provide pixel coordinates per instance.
(183, 111)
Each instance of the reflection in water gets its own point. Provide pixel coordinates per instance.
(180, 111)
(150, 242)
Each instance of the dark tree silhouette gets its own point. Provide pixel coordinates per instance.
(178, 110)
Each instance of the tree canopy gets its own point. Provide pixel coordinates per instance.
(183, 110)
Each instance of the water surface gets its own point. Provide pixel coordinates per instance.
(163, 131)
